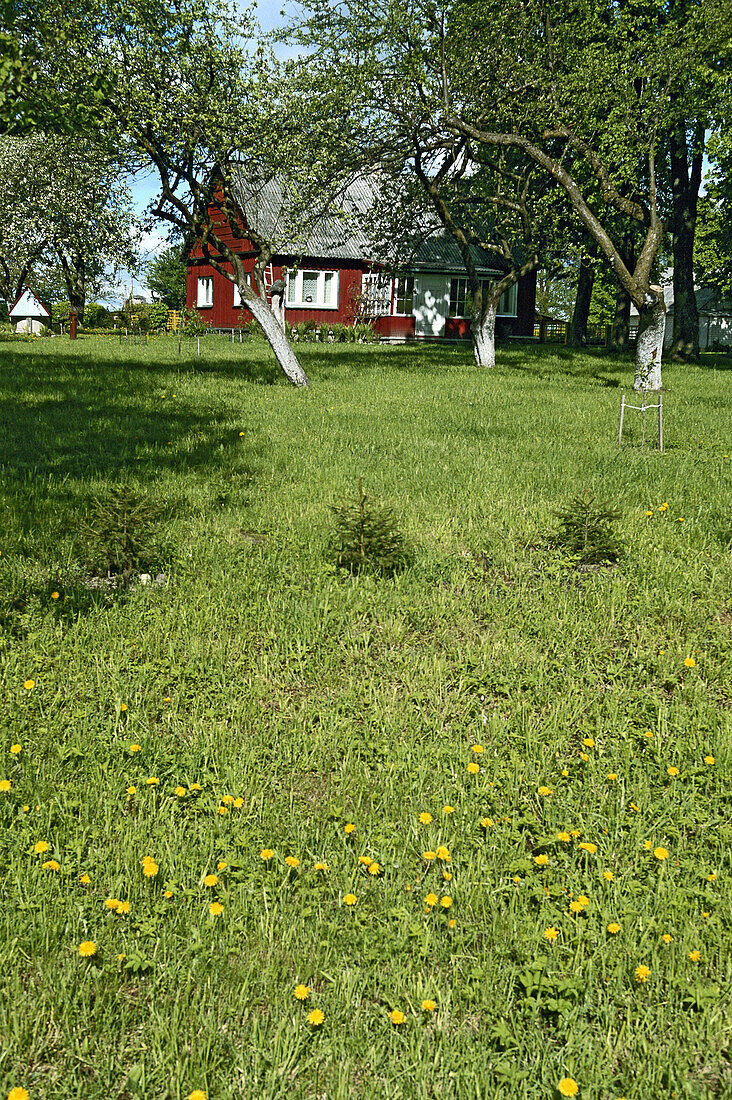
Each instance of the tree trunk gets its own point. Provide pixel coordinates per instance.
(620, 330)
(649, 348)
(685, 191)
(275, 335)
(580, 314)
(75, 279)
(483, 332)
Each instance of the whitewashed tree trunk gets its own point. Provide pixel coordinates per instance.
(649, 348)
(275, 336)
(278, 305)
(483, 332)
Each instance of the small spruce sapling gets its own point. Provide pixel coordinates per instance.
(119, 531)
(585, 531)
(368, 536)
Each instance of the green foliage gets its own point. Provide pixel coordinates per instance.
(368, 536)
(119, 532)
(158, 314)
(166, 278)
(193, 323)
(585, 530)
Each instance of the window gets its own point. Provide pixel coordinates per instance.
(237, 295)
(376, 291)
(205, 293)
(314, 289)
(404, 296)
(461, 302)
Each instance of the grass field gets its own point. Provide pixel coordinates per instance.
(502, 783)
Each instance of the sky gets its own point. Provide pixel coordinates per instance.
(271, 14)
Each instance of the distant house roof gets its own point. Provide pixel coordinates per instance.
(27, 305)
(709, 302)
(338, 232)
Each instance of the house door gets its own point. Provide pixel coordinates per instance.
(431, 303)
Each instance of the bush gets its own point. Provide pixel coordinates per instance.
(192, 323)
(158, 314)
(368, 536)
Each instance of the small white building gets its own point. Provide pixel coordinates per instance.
(715, 319)
(29, 314)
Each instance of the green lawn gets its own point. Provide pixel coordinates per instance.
(303, 701)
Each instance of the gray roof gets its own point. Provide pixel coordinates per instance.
(336, 232)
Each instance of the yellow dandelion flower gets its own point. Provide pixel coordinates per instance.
(15, 749)
(613, 928)
(695, 956)
(486, 822)
(195, 787)
(227, 799)
(397, 1016)
(612, 776)
(689, 662)
(447, 876)
(123, 908)
(181, 792)
(642, 972)
(5, 785)
(544, 791)
(315, 1017)
(292, 861)
(167, 894)
(238, 803)
(123, 707)
(266, 854)
(40, 847)
(448, 809)
(425, 818)
(576, 907)
(87, 948)
(673, 772)
(197, 1094)
(215, 908)
(660, 853)
(431, 900)
(567, 1087)
(634, 808)
(18, 1093)
(649, 512)
(320, 866)
(584, 757)
(51, 865)
(150, 869)
(707, 759)
(608, 876)
(366, 860)
(446, 902)
(429, 856)
(222, 811)
(349, 828)
(565, 772)
(584, 901)
(516, 879)
(647, 844)
(152, 781)
(711, 877)
(565, 837)
(301, 992)
(349, 899)
(477, 749)
(84, 880)
(451, 923)
(131, 791)
(550, 934)
(680, 519)
(663, 507)
(374, 868)
(588, 742)
(443, 853)
(542, 860)
(221, 865)
(473, 768)
(588, 847)
(111, 903)
(210, 880)
(667, 938)
(428, 1005)
(29, 685)
(135, 748)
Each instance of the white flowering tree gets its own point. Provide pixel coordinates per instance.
(63, 204)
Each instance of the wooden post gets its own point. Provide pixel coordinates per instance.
(72, 324)
(660, 422)
(622, 413)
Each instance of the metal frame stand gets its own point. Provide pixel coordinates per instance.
(643, 409)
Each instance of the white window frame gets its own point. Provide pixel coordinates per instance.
(294, 292)
(237, 293)
(405, 279)
(507, 306)
(204, 292)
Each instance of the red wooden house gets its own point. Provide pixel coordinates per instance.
(332, 275)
